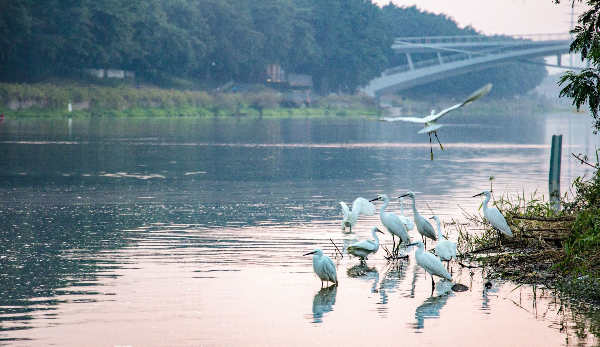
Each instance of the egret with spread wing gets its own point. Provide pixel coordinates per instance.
(430, 121)
(360, 206)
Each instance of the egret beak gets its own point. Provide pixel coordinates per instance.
(411, 244)
(377, 198)
(431, 217)
(379, 231)
(478, 194)
(313, 252)
(401, 196)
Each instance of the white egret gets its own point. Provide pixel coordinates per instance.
(445, 249)
(392, 222)
(494, 216)
(430, 122)
(423, 226)
(360, 206)
(432, 264)
(323, 266)
(408, 224)
(363, 248)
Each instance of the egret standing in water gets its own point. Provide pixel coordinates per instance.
(493, 215)
(430, 121)
(445, 249)
(392, 223)
(432, 264)
(360, 206)
(323, 266)
(408, 224)
(363, 248)
(423, 226)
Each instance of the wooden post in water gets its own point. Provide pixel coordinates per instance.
(554, 178)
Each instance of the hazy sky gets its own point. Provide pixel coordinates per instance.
(509, 17)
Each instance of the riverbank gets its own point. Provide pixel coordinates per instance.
(48, 100)
(51, 100)
(560, 250)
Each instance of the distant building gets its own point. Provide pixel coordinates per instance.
(299, 81)
(277, 75)
(110, 73)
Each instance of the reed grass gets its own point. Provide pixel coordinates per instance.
(49, 100)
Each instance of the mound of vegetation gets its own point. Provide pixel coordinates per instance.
(560, 249)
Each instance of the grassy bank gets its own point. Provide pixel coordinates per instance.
(557, 249)
(51, 100)
(48, 100)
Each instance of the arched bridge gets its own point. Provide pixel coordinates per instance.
(455, 55)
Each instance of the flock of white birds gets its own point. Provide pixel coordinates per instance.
(445, 250)
(400, 225)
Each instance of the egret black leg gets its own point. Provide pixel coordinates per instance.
(438, 140)
(432, 285)
(430, 147)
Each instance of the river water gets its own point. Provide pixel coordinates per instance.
(190, 231)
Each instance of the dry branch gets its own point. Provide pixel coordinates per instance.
(545, 219)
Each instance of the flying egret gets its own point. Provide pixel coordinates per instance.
(494, 216)
(423, 226)
(360, 206)
(432, 264)
(408, 224)
(363, 248)
(430, 122)
(392, 222)
(323, 266)
(445, 249)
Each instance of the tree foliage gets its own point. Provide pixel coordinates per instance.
(341, 43)
(584, 87)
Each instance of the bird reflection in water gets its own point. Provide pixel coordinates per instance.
(394, 275)
(361, 270)
(489, 289)
(430, 308)
(323, 302)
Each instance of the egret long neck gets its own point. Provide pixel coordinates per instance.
(376, 238)
(485, 202)
(419, 251)
(440, 237)
(383, 207)
(415, 212)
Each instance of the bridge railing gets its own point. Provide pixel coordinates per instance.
(451, 58)
(479, 38)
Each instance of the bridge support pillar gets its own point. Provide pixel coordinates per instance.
(439, 55)
(559, 60)
(410, 62)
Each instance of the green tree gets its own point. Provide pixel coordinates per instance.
(353, 43)
(584, 87)
(172, 36)
(233, 40)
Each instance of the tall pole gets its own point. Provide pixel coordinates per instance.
(554, 177)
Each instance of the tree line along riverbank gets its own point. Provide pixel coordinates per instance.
(52, 100)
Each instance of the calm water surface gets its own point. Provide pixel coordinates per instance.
(157, 232)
